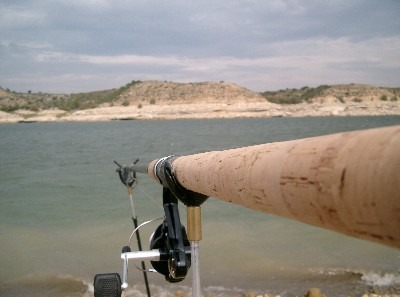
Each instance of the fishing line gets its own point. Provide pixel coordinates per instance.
(141, 225)
(151, 198)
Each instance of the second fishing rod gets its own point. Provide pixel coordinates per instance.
(127, 175)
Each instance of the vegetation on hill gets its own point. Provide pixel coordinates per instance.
(11, 101)
(294, 96)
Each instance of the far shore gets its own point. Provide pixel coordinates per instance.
(203, 111)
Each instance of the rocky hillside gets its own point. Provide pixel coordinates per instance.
(334, 94)
(138, 93)
(204, 92)
(134, 93)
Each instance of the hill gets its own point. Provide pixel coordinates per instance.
(168, 100)
(134, 93)
(333, 94)
(204, 92)
(153, 92)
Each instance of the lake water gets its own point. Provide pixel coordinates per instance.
(64, 214)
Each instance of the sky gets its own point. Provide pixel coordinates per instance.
(70, 46)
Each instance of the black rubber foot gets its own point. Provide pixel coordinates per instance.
(107, 285)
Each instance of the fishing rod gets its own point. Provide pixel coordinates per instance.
(127, 175)
(345, 182)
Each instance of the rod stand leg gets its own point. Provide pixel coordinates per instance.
(196, 287)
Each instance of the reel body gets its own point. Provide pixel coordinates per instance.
(169, 268)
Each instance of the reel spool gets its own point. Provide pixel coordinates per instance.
(158, 241)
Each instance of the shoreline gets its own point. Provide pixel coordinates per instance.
(166, 111)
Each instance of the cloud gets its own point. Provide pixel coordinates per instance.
(15, 17)
(298, 53)
(258, 44)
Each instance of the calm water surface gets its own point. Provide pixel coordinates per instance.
(64, 215)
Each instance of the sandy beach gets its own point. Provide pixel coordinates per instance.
(203, 111)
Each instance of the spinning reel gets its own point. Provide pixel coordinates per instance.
(169, 253)
(170, 249)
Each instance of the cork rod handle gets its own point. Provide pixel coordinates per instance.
(346, 182)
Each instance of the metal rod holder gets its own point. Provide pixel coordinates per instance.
(194, 236)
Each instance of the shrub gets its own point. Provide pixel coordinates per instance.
(125, 103)
(34, 108)
(383, 98)
(394, 98)
(9, 108)
(153, 101)
(311, 93)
